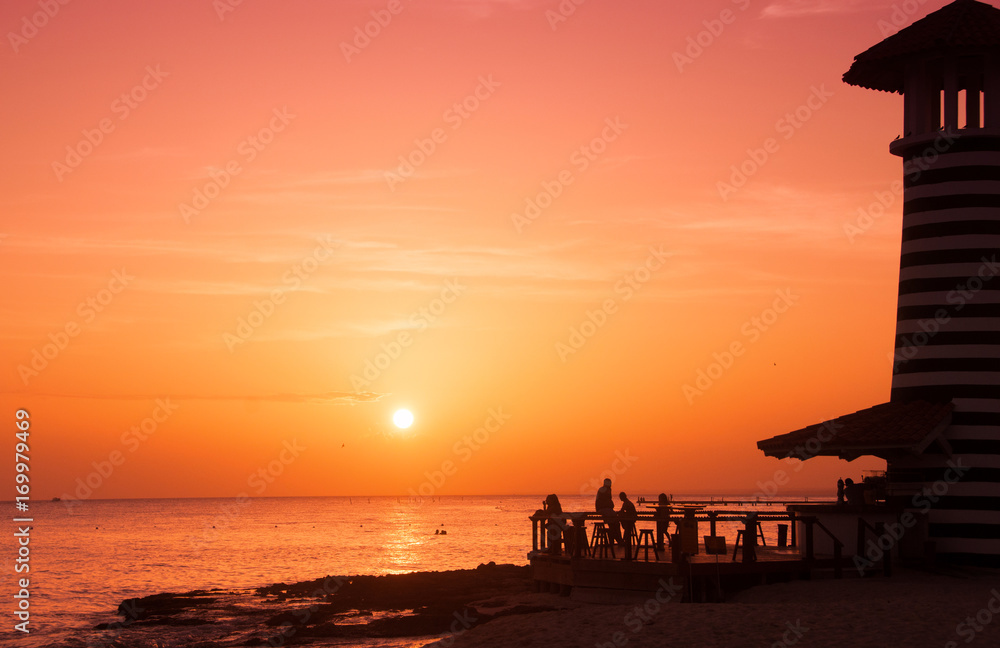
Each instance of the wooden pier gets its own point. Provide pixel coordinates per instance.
(591, 569)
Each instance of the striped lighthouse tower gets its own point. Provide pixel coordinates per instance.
(947, 66)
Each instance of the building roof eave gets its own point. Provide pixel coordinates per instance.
(887, 430)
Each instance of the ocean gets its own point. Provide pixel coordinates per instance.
(86, 557)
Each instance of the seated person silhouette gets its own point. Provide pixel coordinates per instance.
(556, 523)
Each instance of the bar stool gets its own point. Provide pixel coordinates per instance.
(578, 534)
(736, 547)
(598, 526)
(740, 537)
(600, 541)
(646, 541)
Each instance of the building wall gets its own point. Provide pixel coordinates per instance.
(948, 335)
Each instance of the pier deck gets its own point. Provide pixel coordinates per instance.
(692, 575)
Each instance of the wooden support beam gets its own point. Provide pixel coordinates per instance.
(951, 94)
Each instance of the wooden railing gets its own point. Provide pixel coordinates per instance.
(838, 547)
(574, 525)
(879, 530)
(540, 520)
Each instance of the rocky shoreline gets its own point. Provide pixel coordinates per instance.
(329, 611)
(494, 606)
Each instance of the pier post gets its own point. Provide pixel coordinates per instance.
(536, 519)
(579, 535)
(750, 539)
(886, 553)
(810, 548)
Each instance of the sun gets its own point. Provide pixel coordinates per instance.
(403, 418)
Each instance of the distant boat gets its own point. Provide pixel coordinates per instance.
(56, 499)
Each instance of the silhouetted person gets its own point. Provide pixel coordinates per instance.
(840, 491)
(628, 516)
(852, 491)
(662, 516)
(556, 523)
(604, 504)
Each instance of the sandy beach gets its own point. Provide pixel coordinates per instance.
(949, 608)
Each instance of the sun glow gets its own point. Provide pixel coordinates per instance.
(403, 418)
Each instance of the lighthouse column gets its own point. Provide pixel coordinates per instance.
(991, 91)
(948, 311)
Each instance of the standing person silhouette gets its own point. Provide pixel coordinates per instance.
(628, 517)
(662, 516)
(604, 504)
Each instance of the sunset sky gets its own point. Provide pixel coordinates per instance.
(238, 236)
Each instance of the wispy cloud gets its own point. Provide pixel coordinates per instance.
(480, 9)
(281, 246)
(796, 8)
(325, 179)
(320, 398)
(146, 152)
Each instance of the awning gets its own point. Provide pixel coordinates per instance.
(887, 430)
(962, 27)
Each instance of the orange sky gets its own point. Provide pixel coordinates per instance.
(223, 212)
